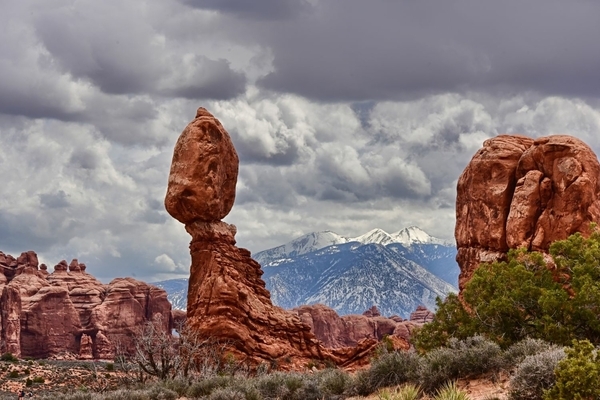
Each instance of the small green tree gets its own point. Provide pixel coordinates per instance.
(578, 375)
(525, 296)
(451, 321)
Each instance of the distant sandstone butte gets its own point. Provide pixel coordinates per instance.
(519, 192)
(227, 298)
(69, 311)
(335, 331)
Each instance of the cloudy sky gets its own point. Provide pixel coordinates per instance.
(347, 114)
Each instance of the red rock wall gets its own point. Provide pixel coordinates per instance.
(349, 330)
(519, 192)
(44, 315)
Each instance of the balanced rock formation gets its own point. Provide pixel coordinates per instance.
(518, 192)
(227, 298)
(69, 311)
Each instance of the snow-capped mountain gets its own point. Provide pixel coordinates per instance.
(415, 235)
(177, 290)
(376, 236)
(397, 272)
(302, 245)
(318, 240)
(352, 277)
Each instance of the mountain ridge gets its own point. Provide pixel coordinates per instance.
(396, 272)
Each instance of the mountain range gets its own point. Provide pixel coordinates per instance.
(396, 272)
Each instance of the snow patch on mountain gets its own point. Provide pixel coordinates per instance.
(177, 290)
(302, 245)
(415, 235)
(376, 236)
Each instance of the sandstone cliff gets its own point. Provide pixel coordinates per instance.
(519, 192)
(227, 298)
(69, 311)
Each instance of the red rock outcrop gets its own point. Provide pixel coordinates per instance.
(227, 298)
(519, 192)
(343, 331)
(421, 315)
(69, 311)
(10, 315)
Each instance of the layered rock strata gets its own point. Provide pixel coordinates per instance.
(518, 192)
(227, 298)
(69, 311)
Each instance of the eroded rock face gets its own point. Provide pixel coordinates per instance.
(69, 311)
(127, 305)
(519, 192)
(421, 315)
(227, 298)
(348, 330)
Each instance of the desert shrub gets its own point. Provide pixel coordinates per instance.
(178, 386)
(8, 357)
(205, 386)
(110, 367)
(248, 388)
(516, 353)
(13, 374)
(522, 297)
(405, 392)
(227, 394)
(161, 393)
(38, 379)
(577, 375)
(74, 396)
(534, 375)
(279, 385)
(462, 358)
(389, 369)
(333, 381)
(450, 392)
(124, 394)
(28, 382)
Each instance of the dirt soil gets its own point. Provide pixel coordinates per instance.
(48, 376)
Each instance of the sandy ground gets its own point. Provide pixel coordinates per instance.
(477, 389)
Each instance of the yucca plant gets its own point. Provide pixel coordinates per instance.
(406, 392)
(450, 392)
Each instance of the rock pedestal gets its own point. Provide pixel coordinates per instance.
(227, 298)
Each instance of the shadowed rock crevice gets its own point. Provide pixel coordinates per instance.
(522, 193)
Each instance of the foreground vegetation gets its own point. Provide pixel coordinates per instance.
(392, 375)
(527, 296)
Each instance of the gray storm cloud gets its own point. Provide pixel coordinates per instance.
(347, 115)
